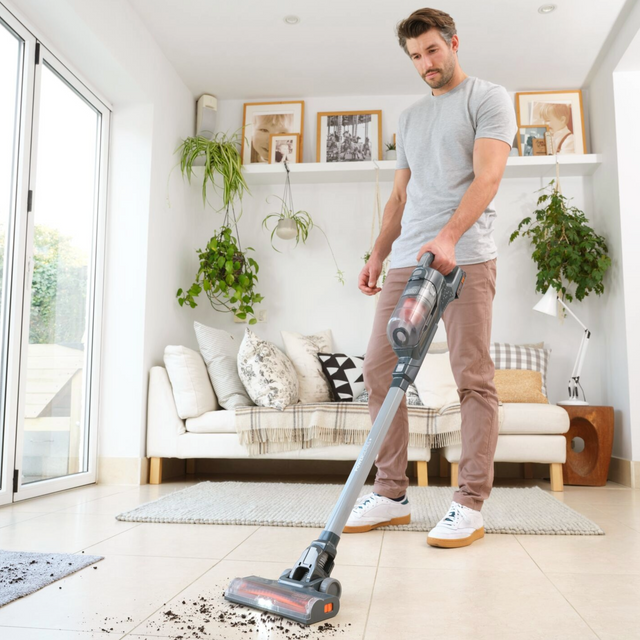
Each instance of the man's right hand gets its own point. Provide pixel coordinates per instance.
(369, 276)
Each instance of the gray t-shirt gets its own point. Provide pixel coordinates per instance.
(435, 140)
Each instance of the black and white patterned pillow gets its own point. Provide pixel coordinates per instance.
(344, 374)
(413, 399)
(514, 356)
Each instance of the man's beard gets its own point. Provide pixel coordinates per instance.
(444, 76)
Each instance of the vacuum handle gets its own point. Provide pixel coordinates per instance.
(427, 259)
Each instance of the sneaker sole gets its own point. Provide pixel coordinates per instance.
(368, 527)
(452, 543)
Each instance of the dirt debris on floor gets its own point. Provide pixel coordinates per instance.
(211, 617)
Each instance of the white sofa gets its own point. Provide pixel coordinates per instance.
(529, 433)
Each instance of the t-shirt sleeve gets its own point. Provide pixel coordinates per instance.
(401, 158)
(496, 117)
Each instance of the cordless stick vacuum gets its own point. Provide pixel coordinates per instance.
(306, 593)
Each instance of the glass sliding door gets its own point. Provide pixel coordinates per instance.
(56, 359)
(11, 65)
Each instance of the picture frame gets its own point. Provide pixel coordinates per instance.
(561, 111)
(261, 119)
(527, 134)
(291, 152)
(349, 136)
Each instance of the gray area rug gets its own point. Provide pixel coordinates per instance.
(525, 510)
(23, 572)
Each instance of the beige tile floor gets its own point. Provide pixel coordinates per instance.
(166, 581)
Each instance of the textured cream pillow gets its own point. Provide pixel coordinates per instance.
(192, 390)
(303, 351)
(266, 373)
(519, 385)
(435, 383)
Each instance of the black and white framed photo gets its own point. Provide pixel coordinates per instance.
(532, 141)
(284, 147)
(561, 111)
(349, 136)
(261, 119)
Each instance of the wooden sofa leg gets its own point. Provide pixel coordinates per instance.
(423, 477)
(155, 471)
(191, 466)
(556, 476)
(445, 467)
(454, 474)
(528, 470)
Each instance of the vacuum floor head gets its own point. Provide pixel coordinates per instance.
(303, 605)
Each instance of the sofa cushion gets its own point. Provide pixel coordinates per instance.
(513, 356)
(221, 421)
(220, 352)
(526, 418)
(519, 385)
(313, 386)
(267, 373)
(344, 374)
(192, 390)
(435, 383)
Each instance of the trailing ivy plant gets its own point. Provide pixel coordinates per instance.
(227, 275)
(221, 156)
(565, 247)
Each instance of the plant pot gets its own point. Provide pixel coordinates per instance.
(286, 229)
(390, 155)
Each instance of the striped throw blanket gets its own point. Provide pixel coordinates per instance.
(301, 426)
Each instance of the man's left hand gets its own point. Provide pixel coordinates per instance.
(444, 253)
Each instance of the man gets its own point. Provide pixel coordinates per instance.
(453, 145)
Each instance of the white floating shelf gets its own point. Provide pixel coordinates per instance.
(326, 172)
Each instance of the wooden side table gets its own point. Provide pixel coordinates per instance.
(588, 466)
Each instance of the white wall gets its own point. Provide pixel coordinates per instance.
(615, 323)
(302, 293)
(627, 97)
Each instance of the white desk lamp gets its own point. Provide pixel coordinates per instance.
(549, 305)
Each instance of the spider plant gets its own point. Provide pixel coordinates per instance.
(220, 156)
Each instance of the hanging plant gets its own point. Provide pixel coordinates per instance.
(226, 274)
(565, 247)
(221, 156)
(295, 224)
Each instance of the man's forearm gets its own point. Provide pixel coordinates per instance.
(391, 228)
(474, 202)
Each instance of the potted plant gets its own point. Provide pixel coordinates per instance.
(565, 248)
(227, 275)
(295, 224)
(220, 155)
(391, 151)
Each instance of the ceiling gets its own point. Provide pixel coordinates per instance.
(243, 49)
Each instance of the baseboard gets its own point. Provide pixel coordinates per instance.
(626, 472)
(123, 470)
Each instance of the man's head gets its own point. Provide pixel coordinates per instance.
(429, 38)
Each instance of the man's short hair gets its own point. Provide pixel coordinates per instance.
(423, 20)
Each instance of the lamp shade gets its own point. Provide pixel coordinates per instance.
(549, 303)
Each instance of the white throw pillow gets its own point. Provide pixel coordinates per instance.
(267, 374)
(220, 352)
(192, 390)
(435, 383)
(303, 353)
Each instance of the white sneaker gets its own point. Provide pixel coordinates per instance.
(373, 511)
(459, 528)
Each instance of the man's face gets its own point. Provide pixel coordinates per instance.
(434, 60)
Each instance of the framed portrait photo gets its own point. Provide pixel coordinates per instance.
(284, 146)
(561, 111)
(261, 119)
(349, 136)
(532, 141)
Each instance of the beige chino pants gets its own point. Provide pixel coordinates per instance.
(468, 325)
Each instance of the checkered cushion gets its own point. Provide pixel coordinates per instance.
(513, 356)
(344, 374)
